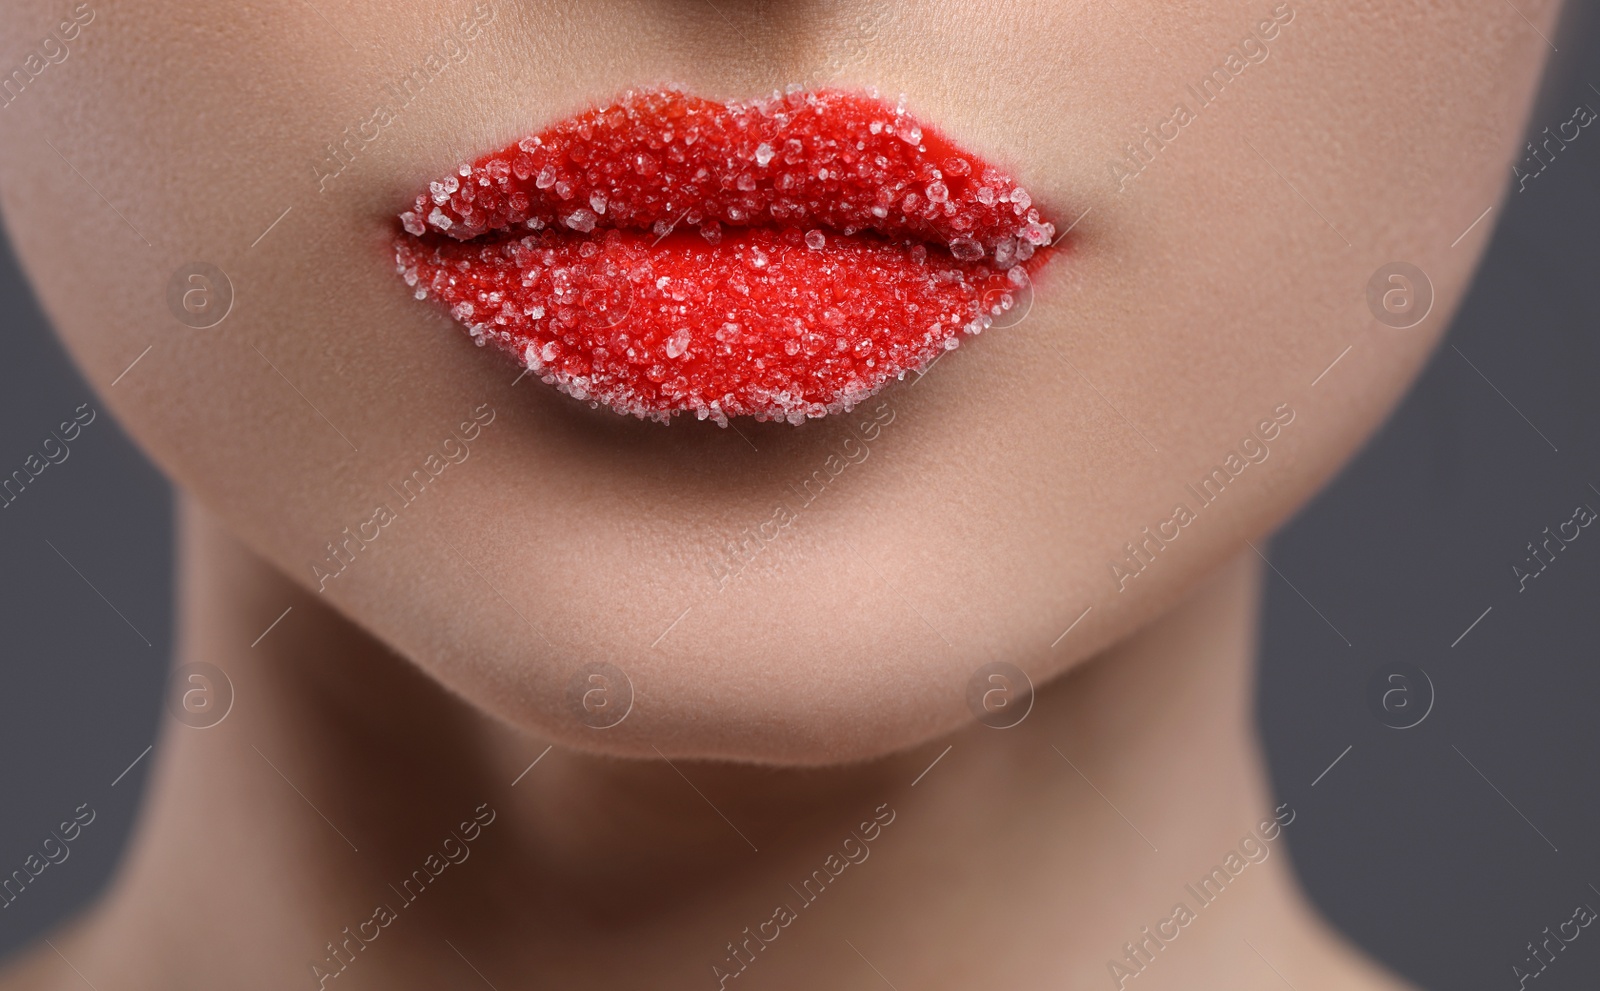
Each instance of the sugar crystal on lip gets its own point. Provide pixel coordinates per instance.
(834, 252)
(966, 249)
(1037, 233)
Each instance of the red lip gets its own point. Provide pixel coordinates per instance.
(780, 259)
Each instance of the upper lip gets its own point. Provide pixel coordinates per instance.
(577, 177)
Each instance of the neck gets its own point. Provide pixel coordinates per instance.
(350, 815)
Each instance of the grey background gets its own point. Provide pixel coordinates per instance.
(1443, 849)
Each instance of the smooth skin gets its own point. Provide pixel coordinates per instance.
(1197, 298)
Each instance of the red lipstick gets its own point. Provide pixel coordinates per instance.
(780, 259)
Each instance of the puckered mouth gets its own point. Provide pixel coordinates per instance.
(781, 259)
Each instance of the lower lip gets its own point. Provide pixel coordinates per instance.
(782, 259)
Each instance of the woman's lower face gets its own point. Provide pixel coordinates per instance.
(1247, 225)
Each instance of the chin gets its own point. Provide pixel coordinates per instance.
(737, 690)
